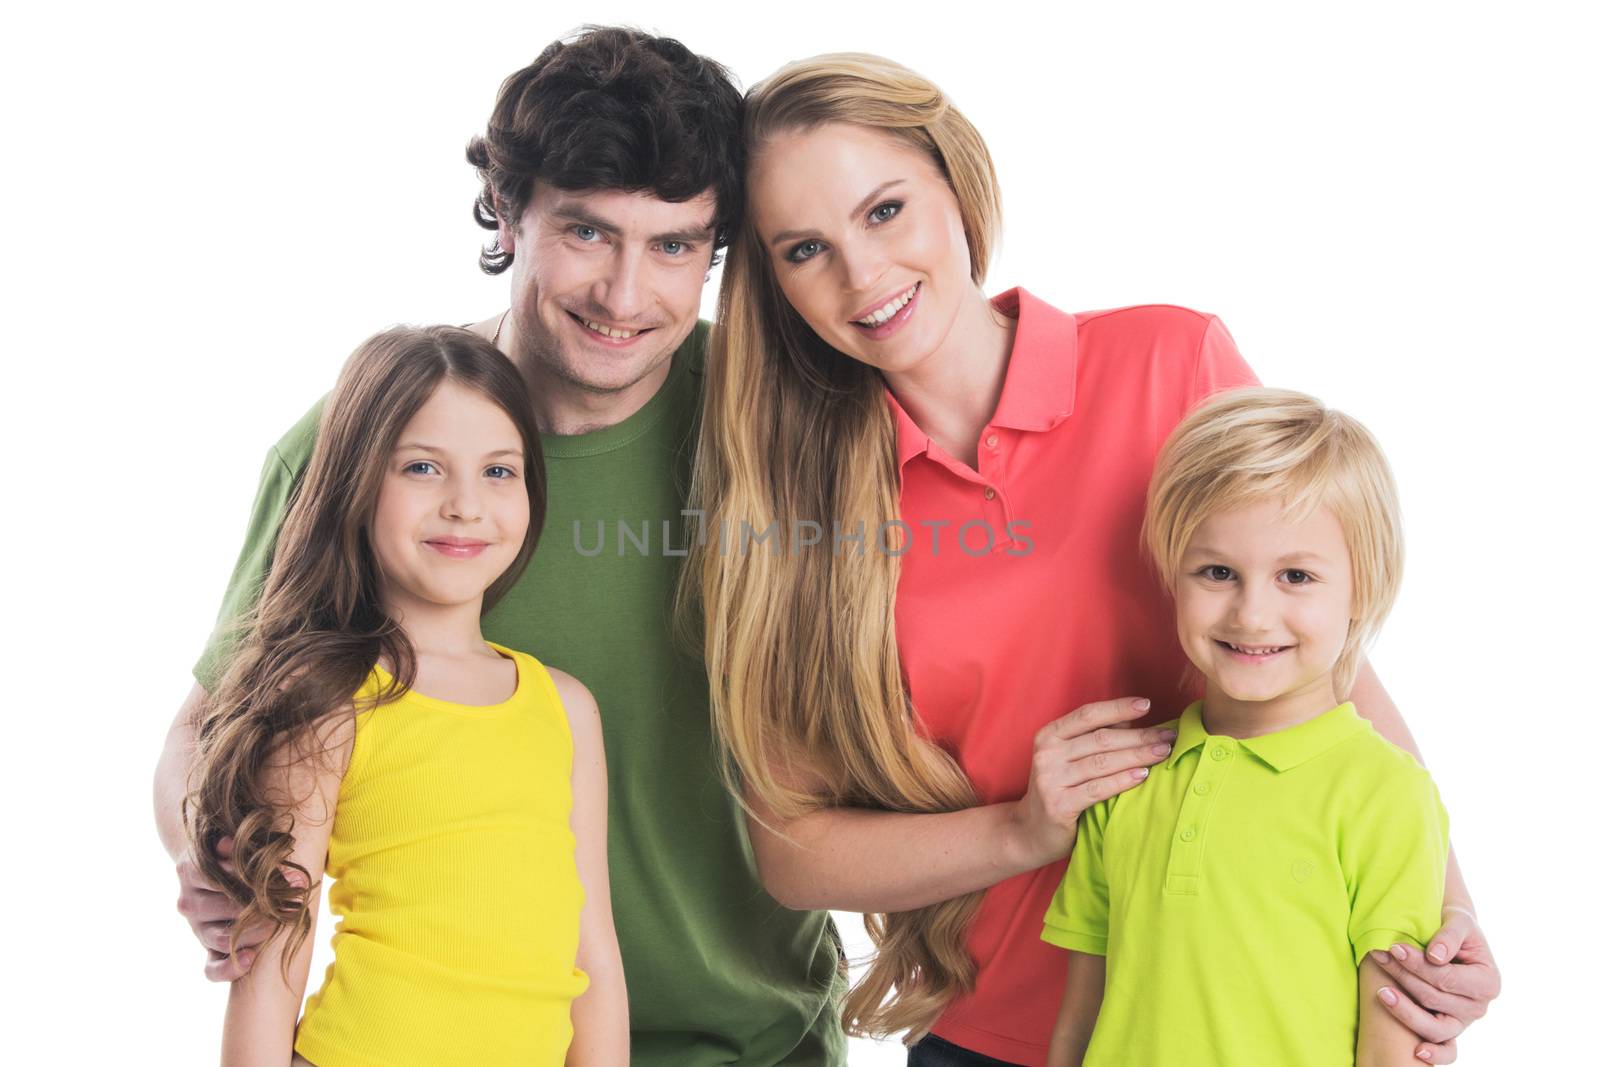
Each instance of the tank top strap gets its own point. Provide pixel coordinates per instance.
(536, 690)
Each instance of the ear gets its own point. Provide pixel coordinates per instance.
(507, 233)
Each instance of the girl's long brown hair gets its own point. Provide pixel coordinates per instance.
(320, 625)
(806, 685)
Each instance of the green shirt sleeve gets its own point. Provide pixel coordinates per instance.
(279, 474)
(1079, 916)
(1394, 855)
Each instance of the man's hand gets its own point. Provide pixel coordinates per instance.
(1440, 994)
(211, 915)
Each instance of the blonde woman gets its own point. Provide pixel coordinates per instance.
(920, 555)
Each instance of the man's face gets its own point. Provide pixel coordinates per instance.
(606, 284)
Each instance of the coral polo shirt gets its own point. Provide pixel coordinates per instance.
(1024, 594)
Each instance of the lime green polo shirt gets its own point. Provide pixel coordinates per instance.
(1236, 890)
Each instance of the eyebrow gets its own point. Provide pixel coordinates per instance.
(866, 202)
(417, 446)
(573, 213)
(1292, 557)
(1301, 557)
(688, 237)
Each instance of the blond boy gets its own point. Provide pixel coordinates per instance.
(1222, 913)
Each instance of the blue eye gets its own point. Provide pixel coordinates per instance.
(500, 471)
(803, 251)
(885, 211)
(674, 248)
(421, 466)
(586, 234)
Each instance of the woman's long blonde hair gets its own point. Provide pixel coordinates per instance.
(807, 693)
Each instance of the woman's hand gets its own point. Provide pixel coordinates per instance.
(1439, 995)
(1080, 759)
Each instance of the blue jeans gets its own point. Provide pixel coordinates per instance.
(934, 1051)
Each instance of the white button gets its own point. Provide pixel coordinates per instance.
(988, 493)
(992, 440)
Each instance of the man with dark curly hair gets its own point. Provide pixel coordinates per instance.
(611, 169)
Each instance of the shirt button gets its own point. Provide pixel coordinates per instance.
(1188, 834)
(993, 440)
(1202, 788)
(1218, 753)
(988, 492)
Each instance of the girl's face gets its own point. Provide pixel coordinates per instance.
(453, 508)
(864, 236)
(1263, 606)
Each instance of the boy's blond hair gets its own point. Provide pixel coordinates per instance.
(1247, 445)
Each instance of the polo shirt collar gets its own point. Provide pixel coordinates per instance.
(1041, 375)
(1284, 749)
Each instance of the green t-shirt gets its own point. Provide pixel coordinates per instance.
(718, 972)
(1235, 892)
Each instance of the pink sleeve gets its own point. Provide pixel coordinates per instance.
(1219, 365)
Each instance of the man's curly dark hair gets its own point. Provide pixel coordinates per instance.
(611, 108)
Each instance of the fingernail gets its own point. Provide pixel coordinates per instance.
(1387, 996)
(1399, 952)
(1141, 704)
(1436, 954)
(1141, 772)
(1380, 955)
(1170, 735)
(1424, 1054)
(247, 958)
(1162, 750)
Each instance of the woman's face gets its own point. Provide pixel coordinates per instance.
(864, 236)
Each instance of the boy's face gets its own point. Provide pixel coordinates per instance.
(1263, 606)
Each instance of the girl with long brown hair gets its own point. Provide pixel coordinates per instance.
(921, 510)
(454, 789)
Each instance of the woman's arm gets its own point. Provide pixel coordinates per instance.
(264, 1005)
(600, 1015)
(1080, 1008)
(1439, 995)
(872, 861)
(1375, 704)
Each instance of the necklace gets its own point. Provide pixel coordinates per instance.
(495, 340)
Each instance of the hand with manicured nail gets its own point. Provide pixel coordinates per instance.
(1438, 995)
(1079, 760)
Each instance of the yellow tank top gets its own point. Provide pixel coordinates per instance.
(456, 886)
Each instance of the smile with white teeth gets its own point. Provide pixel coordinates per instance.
(1255, 650)
(607, 331)
(886, 312)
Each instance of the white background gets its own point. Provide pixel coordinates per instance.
(1392, 205)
